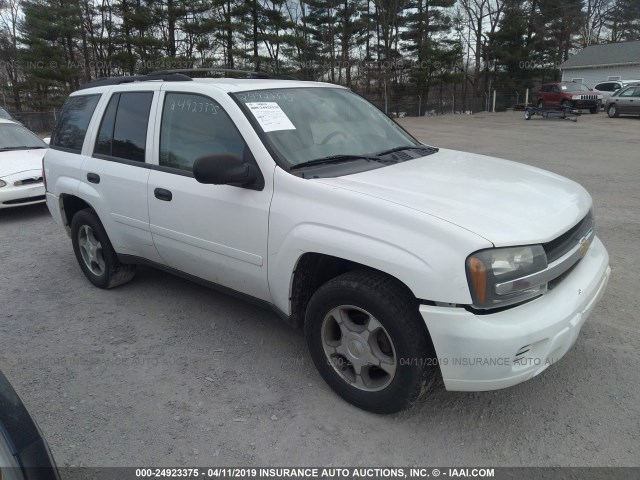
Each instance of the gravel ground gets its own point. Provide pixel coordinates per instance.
(166, 372)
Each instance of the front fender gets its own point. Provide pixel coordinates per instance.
(348, 245)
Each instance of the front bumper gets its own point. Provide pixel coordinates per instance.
(11, 196)
(17, 196)
(492, 351)
(586, 103)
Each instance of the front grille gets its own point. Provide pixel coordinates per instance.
(558, 247)
(28, 181)
(18, 201)
(588, 97)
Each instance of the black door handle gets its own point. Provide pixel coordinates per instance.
(93, 177)
(163, 194)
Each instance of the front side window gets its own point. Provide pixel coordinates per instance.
(73, 121)
(629, 92)
(305, 124)
(194, 126)
(123, 131)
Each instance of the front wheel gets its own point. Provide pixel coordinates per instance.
(594, 109)
(612, 111)
(95, 254)
(368, 341)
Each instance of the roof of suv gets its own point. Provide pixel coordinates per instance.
(228, 85)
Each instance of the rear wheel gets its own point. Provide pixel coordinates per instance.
(566, 103)
(95, 254)
(527, 114)
(368, 341)
(612, 111)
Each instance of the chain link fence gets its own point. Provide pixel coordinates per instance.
(413, 105)
(38, 122)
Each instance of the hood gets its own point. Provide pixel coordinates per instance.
(16, 161)
(505, 202)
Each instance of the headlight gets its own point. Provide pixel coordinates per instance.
(487, 269)
(2, 183)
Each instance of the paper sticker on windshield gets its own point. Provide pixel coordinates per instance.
(270, 116)
(563, 87)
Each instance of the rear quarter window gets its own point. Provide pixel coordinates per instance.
(73, 121)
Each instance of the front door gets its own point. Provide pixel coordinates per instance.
(625, 101)
(214, 232)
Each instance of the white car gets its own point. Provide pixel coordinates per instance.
(21, 153)
(608, 88)
(397, 258)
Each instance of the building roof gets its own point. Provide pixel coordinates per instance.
(609, 54)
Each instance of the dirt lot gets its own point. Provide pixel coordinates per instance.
(166, 372)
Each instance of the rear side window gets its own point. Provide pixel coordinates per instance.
(123, 131)
(73, 122)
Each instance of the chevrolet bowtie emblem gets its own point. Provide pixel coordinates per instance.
(584, 246)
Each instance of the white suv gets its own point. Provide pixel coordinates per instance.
(399, 260)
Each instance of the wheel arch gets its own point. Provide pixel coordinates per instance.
(70, 205)
(313, 269)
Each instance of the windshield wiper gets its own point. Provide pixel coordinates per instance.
(406, 147)
(333, 159)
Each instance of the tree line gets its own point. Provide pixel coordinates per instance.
(50, 47)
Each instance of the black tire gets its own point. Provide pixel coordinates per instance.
(527, 114)
(109, 273)
(540, 104)
(393, 306)
(566, 103)
(594, 110)
(612, 111)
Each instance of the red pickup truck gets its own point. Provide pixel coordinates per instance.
(569, 94)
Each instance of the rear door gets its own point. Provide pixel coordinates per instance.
(117, 171)
(215, 232)
(555, 97)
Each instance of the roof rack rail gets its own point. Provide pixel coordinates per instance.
(249, 73)
(167, 77)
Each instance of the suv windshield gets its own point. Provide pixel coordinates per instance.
(307, 124)
(575, 87)
(15, 137)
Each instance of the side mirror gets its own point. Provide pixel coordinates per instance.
(224, 169)
(46, 140)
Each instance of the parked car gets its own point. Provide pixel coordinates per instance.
(397, 258)
(569, 94)
(24, 453)
(4, 115)
(624, 102)
(608, 88)
(21, 153)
